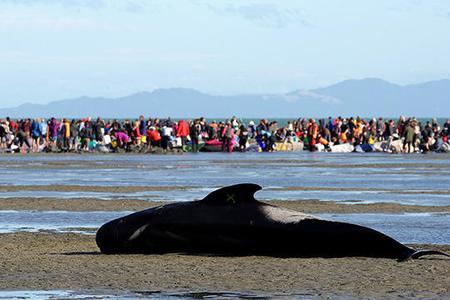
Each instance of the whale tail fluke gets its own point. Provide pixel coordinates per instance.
(420, 253)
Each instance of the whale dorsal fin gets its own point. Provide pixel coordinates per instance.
(233, 194)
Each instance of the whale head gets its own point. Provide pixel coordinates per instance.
(118, 236)
(108, 239)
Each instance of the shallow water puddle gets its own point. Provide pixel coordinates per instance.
(408, 228)
(155, 295)
(60, 221)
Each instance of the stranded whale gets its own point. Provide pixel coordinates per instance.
(230, 221)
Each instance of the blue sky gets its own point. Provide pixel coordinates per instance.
(52, 50)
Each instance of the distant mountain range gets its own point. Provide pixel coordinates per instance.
(364, 97)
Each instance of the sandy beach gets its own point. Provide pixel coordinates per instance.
(52, 261)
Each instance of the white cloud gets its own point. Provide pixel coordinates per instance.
(133, 6)
(309, 95)
(66, 3)
(264, 14)
(45, 21)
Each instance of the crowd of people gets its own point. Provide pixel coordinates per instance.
(147, 134)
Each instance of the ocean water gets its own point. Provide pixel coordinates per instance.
(343, 177)
(284, 121)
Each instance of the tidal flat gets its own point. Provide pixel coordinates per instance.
(414, 179)
(52, 205)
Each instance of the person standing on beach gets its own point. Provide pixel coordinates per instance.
(251, 129)
(381, 129)
(35, 134)
(43, 128)
(3, 132)
(183, 131)
(128, 129)
(409, 133)
(211, 130)
(65, 134)
(23, 135)
(142, 126)
(53, 127)
(86, 134)
(136, 133)
(74, 126)
(99, 130)
(313, 131)
(243, 138)
(227, 135)
(194, 133)
(425, 140)
(11, 124)
(166, 136)
(446, 131)
(26, 128)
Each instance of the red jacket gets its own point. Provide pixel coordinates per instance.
(183, 129)
(153, 135)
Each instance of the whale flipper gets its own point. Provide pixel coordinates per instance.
(419, 253)
(233, 194)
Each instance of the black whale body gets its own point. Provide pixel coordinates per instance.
(229, 221)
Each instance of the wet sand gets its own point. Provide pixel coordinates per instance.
(124, 161)
(136, 189)
(307, 206)
(52, 261)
